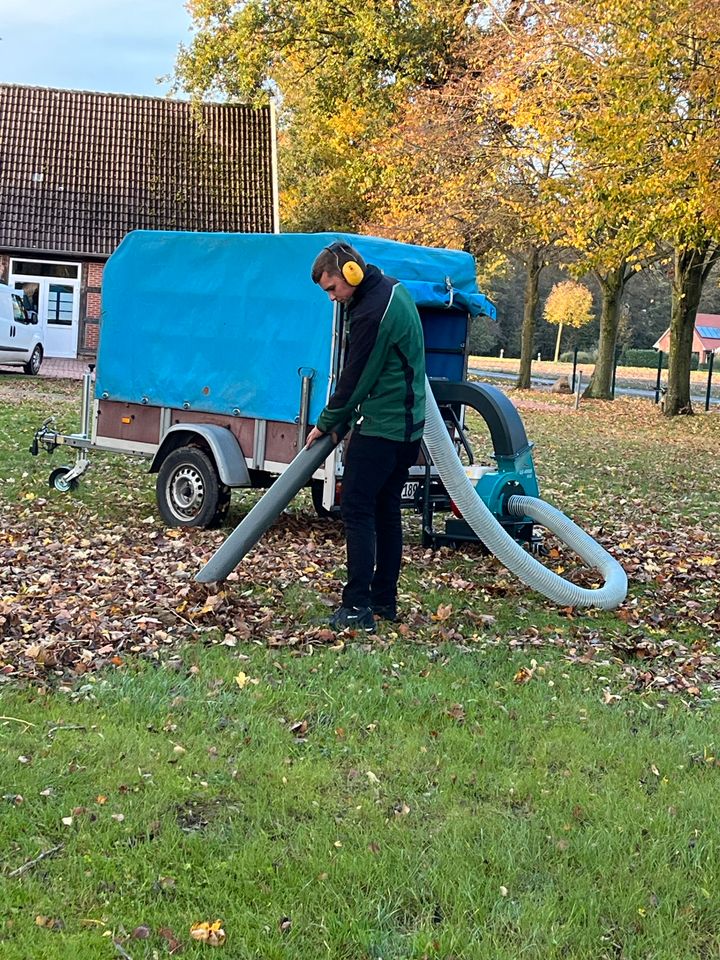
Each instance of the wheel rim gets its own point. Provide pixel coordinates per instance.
(61, 484)
(185, 492)
(35, 360)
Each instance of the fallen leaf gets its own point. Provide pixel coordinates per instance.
(174, 943)
(443, 612)
(210, 933)
(50, 923)
(457, 712)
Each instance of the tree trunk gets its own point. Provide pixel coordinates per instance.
(533, 266)
(612, 286)
(688, 278)
(557, 343)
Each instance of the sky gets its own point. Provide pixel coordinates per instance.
(113, 46)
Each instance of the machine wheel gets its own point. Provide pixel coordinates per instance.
(58, 482)
(188, 489)
(32, 367)
(316, 490)
(223, 507)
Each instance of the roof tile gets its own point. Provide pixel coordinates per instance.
(79, 170)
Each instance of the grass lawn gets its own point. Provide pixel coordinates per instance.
(492, 778)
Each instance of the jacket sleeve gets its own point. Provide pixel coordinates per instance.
(364, 362)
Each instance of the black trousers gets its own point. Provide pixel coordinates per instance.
(375, 471)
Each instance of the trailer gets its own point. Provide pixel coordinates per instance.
(217, 353)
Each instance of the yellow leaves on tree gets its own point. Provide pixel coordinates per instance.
(569, 304)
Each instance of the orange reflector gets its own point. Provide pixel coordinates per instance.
(126, 420)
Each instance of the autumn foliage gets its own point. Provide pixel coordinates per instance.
(585, 133)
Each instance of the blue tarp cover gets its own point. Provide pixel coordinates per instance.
(426, 294)
(225, 322)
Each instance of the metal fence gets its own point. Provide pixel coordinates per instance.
(659, 389)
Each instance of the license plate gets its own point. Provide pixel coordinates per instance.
(410, 489)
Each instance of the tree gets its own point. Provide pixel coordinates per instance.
(463, 168)
(338, 73)
(631, 93)
(645, 141)
(569, 304)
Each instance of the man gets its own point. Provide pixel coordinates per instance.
(381, 391)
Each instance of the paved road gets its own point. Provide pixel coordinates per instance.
(549, 381)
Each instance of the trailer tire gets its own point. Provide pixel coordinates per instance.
(188, 489)
(57, 480)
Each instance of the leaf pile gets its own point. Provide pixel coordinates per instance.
(78, 594)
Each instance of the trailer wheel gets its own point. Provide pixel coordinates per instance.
(189, 492)
(58, 482)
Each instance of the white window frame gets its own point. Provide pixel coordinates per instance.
(74, 282)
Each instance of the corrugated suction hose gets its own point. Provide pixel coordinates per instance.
(501, 544)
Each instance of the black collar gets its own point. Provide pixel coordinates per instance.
(372, 278)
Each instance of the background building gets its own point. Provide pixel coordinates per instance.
(79, 170)
(706, 337)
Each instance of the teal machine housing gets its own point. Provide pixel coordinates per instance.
(514, 474)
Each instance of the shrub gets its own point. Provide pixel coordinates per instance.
(649, 358)
(584, 356)
(642, 358)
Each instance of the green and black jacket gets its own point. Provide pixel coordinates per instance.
(381, 389)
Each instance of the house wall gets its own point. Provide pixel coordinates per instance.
(90, 307)
(4, 267)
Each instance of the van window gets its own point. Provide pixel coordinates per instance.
(18, 311)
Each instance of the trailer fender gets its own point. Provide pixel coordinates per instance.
(224, 447)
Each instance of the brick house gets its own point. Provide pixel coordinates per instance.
(79, 170)
(706, 337)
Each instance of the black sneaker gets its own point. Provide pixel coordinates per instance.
(353, 618)
(386, 611)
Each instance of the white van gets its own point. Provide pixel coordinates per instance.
(20, 344)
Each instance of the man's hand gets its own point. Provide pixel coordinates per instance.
(314, 435)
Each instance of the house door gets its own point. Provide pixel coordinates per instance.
(52, 290)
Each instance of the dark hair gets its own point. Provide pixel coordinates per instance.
(331, 260)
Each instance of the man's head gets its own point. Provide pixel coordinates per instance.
(338, 269)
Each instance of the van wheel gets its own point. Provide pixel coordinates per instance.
(188, 489)
(32, 367)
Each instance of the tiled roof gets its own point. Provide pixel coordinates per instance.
(78, 170)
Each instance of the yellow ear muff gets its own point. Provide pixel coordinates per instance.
(353, 273)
